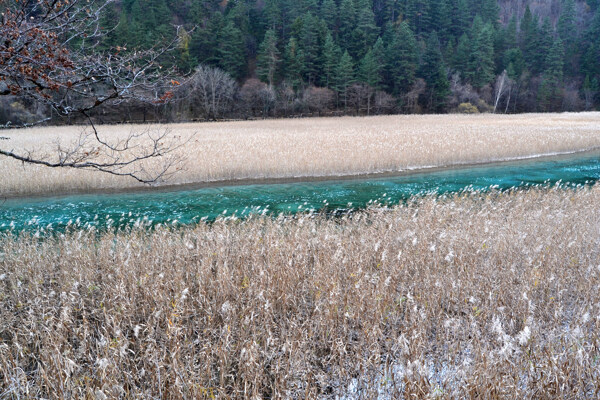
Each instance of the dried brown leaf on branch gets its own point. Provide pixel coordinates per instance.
(48, 56)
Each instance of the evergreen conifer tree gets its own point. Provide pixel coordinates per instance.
(553, 75)
(433, 71)
(460, 18)
(294, 63)
(542, 46)
(344, 77)
(268, 58)
(272, 14)
(365, 34)
(309, 42)
(402, 60)
(330, 59)
(347, 24)
(203, 46)
(122, 33)
(460, 61)
(566, 27)
(329, 14)
(480, 68)
(231, 53)
(529, 37)
(369, 70)
(490, 12)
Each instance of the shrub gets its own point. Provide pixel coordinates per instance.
(467, 108)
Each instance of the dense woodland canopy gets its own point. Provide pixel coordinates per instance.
(258, 58)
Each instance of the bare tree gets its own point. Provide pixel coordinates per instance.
(411, 99)
(48, 57)
(571, 100)
(588, 96)
(286, 98)
(503, 89)
(257, 98)
(212, 89)
(318, 99)
(461, 92)
(383, 102)
(359, 94)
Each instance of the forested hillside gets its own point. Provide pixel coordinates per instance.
(289, 57)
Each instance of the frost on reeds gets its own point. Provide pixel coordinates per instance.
(314, 147)
(469, 296)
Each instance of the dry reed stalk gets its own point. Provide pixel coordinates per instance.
(469, 296)
(314, 147)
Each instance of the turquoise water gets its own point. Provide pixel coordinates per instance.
(190, 206)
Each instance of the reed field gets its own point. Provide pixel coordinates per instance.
(226, 151)
(470, 296)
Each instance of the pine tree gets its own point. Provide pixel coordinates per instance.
(480, 69)
(372, 65)
(566, 27)
(161, 26)
(268, 58)
(423, 22)
(369, 70)
(294, 63)
(344, 76)
(542, 46)
(591, 49)
(347, 24)
(460, 18)
(116, 33)
(272, 14)
(460, 61)
(238, 14)
(379, 51)
(402, 59)
(514, 63)
(510, 34)
(231, 50)
(553, 75)
(139, 34)
(490, 12)
(433, 71)
(409, 14)
(365, 34)
(554, 63)
(330, 59)
(122, 31)
(196, 12)
(185, 62)
(309, 43)
(203, 46)
(529, 37)
(474, 7)
(567, 31)
(449, 53)
(441, 17)
(329, 14)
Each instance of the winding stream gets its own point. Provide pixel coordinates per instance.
(189, 206)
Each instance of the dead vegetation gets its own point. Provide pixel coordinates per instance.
(224, 151)
(471, 296)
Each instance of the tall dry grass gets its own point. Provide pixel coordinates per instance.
(472, 296)
(313, 147)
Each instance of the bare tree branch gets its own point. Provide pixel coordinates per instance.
(39, 62)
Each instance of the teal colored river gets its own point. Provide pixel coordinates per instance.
(190, 206)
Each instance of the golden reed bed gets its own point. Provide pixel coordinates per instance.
(224, 151)
(481, 296)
